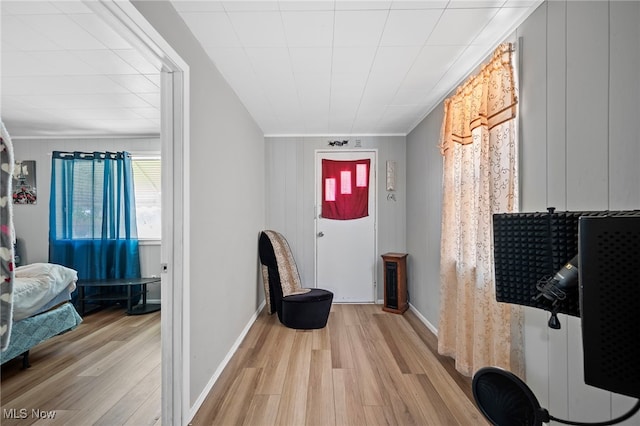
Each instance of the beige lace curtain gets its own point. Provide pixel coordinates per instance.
(480, 178)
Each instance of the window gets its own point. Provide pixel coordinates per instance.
(146, 176)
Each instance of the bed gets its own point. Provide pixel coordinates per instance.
(41, 307)
(34, 299)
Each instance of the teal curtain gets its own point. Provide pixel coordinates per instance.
(92, 215)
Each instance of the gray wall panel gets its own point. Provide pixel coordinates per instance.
(580, 150)
(294, 157)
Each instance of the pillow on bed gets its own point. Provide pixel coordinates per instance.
(37, 284)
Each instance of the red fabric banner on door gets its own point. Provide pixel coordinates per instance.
(345, 189)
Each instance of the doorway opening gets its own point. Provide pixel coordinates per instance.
(130, 24)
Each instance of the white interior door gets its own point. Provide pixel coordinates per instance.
(345, 249)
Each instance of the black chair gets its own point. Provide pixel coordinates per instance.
(297, 307)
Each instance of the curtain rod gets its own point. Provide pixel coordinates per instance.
(90, 155)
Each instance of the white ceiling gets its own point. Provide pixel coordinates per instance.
(65, 73)
(299, 67)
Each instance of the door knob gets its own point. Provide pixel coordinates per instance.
(320, 234)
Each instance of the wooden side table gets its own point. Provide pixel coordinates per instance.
(395, 282)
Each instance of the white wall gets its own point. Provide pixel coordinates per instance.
(580, 109)
(32, 221)
(289, 185)
(580, 150)
(227, 204)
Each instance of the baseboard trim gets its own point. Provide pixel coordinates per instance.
(423, 320)
(203, 395)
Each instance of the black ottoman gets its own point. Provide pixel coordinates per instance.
(306, 311)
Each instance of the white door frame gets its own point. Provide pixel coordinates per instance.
(129, 23)
(374, 178)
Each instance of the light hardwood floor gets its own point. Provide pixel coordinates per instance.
(105, 372)
(367, 367)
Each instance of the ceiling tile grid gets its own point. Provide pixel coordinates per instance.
(66, 73)
(344, 67)
(316, 67)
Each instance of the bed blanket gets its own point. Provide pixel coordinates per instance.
(6, 236)
(33, 330)
(38, 283)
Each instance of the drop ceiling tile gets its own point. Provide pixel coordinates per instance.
(358, 28)
(124, 127)
(315, 110)
(430, 65)
(379, 90)
(371, 110)
(508, 19)
(154, 78)
(409, 27)
(347, 89)
(197, 6)
(104, 61)
(368, 114)
(135, 83)
(311, 60)
(317, 126)
(435, 98)
(28, 8)
(14, 27)
(95, 100)
(270, 62)
(57, 84)
(212, 29)
(286, 90)
(353, 59)
(363, 5)
(43, 63)
(522, 3)
(72, 7)
(151, 113)
(138, 61)
(250, 6)
(100, 30)
(66, 33)
(94, 113)
(231, 61)
(307, 5)
(467, 22)
(314, 92)
(475, 4)
(399, 116)
(418, 4)
(308, 29)
(152, 99)
(394, 61)
(410, 97)
(281, 93)
(257, 104)
(258, 29)
(260, 109)
(341, 122)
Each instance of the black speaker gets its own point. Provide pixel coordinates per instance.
(609, 249)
